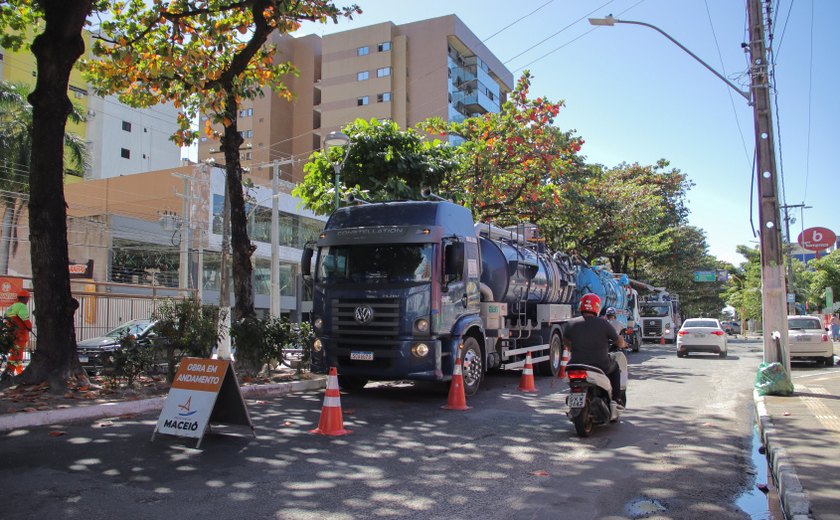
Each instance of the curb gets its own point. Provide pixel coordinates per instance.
(100, 411)
(794, 498)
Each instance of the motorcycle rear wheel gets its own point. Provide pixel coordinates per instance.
(583, 420)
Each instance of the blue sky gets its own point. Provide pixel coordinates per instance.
(636, 97)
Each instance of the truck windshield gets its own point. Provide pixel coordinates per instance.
(376, 263)
(655, 311)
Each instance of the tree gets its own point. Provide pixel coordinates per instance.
(15, 153)
(744, 288)
(826, 275)
(205, 57)
(513, 161)
(56, 50)
(384, 163)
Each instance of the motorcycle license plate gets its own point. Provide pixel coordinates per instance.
(361, 356)
(577, 400)
(83, 359)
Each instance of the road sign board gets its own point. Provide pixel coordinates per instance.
(817, 239)
(705, 276)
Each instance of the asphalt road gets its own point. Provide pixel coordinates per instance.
(681, 451)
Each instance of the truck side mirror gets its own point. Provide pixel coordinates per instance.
(306, 262)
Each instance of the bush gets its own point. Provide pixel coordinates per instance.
(130, 361)
(186, 328)
(262, 342)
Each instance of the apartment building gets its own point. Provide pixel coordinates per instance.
(406, 73)
(121, 140)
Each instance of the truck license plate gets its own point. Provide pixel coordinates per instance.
(577, 400)
(362, 356)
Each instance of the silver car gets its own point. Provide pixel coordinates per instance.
(807, 339)
(701, 335)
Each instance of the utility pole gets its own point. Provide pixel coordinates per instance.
(184, 261)
(791, 289)
(773, 292)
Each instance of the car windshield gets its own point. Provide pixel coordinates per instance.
(135, 328)
(694, 324)
(376, 263)
(655, 311)
(804, 324)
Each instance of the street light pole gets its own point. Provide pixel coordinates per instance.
(773, 293)
(332, 140)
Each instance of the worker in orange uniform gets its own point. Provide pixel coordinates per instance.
(17, 317)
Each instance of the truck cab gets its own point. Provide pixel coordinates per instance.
(395, 289)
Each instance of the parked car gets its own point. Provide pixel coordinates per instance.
(731, 327)
(807, 339)
(96, 353)
(701, 335)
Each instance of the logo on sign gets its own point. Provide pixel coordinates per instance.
(363, 314)
(185, 408)
(816, 238)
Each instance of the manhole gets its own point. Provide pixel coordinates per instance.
(644, 507)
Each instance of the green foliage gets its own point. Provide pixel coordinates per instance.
(826, 273)
(384, 163)
(130, 361)
(744, 288)
(260, 342)
(186, 328)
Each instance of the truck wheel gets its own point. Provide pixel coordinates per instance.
(472, 366)
(552, 366)
(351, 384)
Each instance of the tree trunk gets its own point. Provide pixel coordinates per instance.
(56, 51)
(243, 289)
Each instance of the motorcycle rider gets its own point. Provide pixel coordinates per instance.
(588, 339)
(612, 318)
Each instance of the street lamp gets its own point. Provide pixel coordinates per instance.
(333, 140)
(773, 291)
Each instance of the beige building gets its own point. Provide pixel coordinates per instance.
(405, 73)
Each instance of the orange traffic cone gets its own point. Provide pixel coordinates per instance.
(527, 382)
(564, 360)
(662, 340)
(331, 422)
(457, 398)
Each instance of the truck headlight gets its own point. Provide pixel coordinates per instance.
(318, 323)
(420, 350)
(316, 345)
(422, 325)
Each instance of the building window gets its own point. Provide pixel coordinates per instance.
(250, 112)
(250, 133)
(126, 126)
(384, 46)
(362, 76)
(362, 51)
(383, 97)
(383, 72)
(362, 101)
(125, 153)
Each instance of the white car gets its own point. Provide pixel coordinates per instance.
(807, 339)
(701, 335)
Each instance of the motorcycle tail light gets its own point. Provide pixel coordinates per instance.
(577, 374)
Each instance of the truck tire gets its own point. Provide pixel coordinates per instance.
(555, 352)
(636, 342)
(472, 366)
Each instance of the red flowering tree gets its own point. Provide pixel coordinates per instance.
(513, 161)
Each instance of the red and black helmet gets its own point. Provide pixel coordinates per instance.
(590, 303)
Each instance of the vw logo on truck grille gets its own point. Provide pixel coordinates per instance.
(363, 314)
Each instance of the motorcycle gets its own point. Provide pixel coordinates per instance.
(589, 395)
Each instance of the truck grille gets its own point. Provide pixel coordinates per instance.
(379, 334)
(652, 328)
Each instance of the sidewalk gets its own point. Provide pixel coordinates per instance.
(801, 435)
(15, 421)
